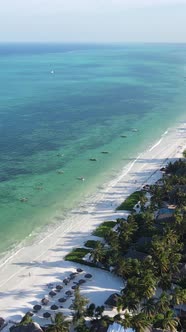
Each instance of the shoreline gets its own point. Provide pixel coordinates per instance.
(77, 227)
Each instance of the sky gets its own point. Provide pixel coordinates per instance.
(99, 21)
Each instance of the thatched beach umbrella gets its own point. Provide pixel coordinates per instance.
(57, 290)
(54, 307)
(88, 275)
(66, 281)
(45, 301)
(74, 287)
(72, 277)
(59, 287)
(81, 281)
(46, 315)
(73, 274)
(37, 307)
(52, 293)
(112, 300)
(79, 270)
(69, 293)
(62, 300)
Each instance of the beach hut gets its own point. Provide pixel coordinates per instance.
(165, 214)
(112, 300)
(132, 253)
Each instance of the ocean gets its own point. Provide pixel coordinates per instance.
(64, 104)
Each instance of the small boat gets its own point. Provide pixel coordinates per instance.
(23, 199)
(60, 172)
(93, 159)
(81, 178)
(52, 72)
(39, 188)
(60, 155)
(134, 129)
(123, 136)
(104, 152)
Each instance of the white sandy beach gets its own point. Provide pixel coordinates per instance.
(24, 276)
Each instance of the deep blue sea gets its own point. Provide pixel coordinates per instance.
(61, 105)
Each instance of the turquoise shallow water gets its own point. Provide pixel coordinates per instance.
(61, 105)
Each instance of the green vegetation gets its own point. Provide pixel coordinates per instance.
(103, 228)
(79, 307)
(27, 319)
(59, 324)
(184, 153)
(77, 254)
(90, 244)
(133, 199)
(148, 253)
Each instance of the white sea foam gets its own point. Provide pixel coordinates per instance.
(155, 145)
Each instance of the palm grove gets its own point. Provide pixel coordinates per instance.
(149, 255)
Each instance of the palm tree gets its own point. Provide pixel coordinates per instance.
(123, 268)
(130, 300)
(157, 193)
(98, 253)
(111, 237)
(59, 324)
(178, 296)
(163, 302)
(148, 223)
(169, 322)
(140, 322)
(165, 281)
(180, 224)
(82, 327)
(79, 306)
(165, 252)
(126, 231)
(149, 308)
(90, 312)
(127, 321)
(99, 311)
(148, 284)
